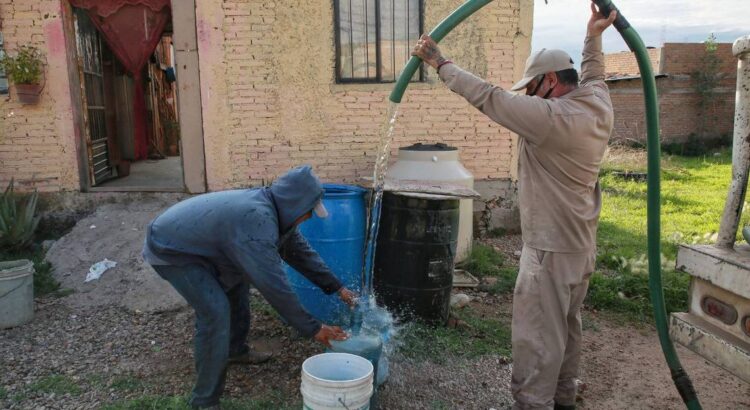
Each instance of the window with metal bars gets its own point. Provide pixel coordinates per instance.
(3, 77)
(374, 39)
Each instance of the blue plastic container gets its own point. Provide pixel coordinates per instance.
(340, 241)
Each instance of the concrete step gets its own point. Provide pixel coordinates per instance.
(714, 344)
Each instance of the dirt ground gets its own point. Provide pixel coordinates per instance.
(126, 337)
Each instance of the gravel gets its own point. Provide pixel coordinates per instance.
(93, 348)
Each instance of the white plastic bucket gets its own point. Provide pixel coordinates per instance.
(336, 381)
(16, 293)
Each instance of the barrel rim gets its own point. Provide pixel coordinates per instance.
(16, 268)
(353, 357)
(341, 190)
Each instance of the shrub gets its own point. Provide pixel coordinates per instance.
(18, 219)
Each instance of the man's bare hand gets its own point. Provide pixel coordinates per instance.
(328, 333)
(598, 23)
(428, 51)
(348, 297)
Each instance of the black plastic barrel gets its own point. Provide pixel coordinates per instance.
(414, 258)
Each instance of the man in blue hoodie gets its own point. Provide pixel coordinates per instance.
(212, 247)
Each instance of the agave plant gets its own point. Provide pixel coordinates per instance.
(18, 219)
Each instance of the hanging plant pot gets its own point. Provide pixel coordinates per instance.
(28, 93)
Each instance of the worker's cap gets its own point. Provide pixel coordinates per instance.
(320, 210)
(542, 62)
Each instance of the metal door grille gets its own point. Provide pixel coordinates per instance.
(90, 59)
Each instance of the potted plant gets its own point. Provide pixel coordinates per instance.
(25, 71)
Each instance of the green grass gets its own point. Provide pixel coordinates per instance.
(3, 393)
(693, 191)
(56, 383)
(506, 281)
(271, 401)
(151, 403)
(127, 383)
(19, 397)
(483, 261)
(483, 336)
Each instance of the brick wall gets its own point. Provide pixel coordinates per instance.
(275, 104)
(684, 58)
(680, 115)
(625, 64)
(37, 142)
(268, 95)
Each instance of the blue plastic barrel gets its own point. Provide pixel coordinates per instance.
(340, 241)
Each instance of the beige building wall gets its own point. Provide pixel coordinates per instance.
(270, 100)
(38, 142)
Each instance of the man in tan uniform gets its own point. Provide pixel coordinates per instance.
(564, 129)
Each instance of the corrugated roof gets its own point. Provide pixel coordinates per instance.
(615, 78)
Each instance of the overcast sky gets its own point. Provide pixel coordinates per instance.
(562, 23)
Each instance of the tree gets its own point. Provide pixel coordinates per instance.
(705, 80)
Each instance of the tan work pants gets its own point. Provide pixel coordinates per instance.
(546, 328)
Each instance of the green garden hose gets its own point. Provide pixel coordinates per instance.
(633, 40)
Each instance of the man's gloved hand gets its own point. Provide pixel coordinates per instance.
(328, 333)
(348, 297)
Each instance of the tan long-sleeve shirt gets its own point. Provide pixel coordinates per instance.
(561, 147)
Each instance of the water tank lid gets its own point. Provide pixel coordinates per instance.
(438, 146)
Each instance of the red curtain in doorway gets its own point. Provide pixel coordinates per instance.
(132, 29)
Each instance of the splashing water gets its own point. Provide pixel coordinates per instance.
(378, 182)
(373, 329)
(373, 336)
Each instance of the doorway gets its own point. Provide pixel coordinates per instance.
(116, 157)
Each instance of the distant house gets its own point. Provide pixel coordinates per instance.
(679, 103)
(239, 91)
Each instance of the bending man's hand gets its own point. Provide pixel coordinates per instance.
(428, 51)
(598, 23)
(348, 297)
(328, 333)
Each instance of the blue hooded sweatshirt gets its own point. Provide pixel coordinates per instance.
(243, 235)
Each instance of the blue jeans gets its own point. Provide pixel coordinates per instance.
(222, 321)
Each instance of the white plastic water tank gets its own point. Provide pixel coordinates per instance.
(438, 163)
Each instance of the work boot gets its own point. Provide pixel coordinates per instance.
(251, 357)
(565, 407)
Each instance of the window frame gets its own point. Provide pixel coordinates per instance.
(3, 74)
(378, 58)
